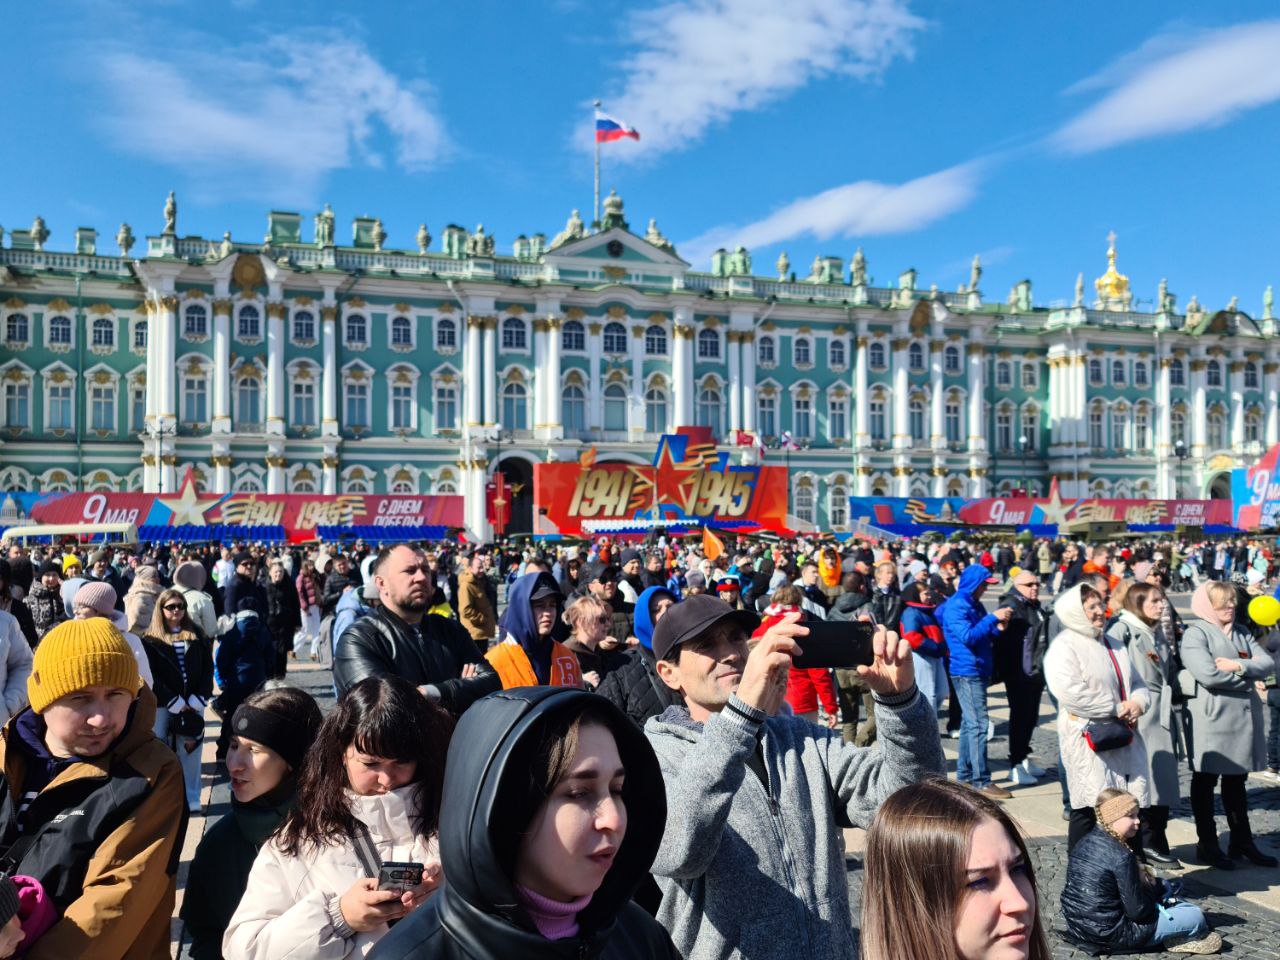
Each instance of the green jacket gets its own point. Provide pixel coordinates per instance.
(220, 871)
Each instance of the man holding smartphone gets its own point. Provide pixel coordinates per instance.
(751, 862)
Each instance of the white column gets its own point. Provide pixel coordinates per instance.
(1269, 380)
(275, 368)
(1055, 401)
(491, 410)
(153, 362)
(936, 403)
(1236, 413)
(473, 392)
(162, 323)
(635, 403)
(682, 369)
(862, 429)
(735, 380)
(901, 386)
(749, 381)
(551, 372)
(1199, 413)
(977, 398)
(329, 387)
(595, 398)
(221, 366)
(539, 398)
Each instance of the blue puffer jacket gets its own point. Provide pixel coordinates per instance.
(967, 626)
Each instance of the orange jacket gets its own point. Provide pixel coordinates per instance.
(513, 666)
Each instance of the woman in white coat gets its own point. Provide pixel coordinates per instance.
(1222, 662)
(1092, 679)
(375, 773)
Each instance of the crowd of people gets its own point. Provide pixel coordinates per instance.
(605, 750)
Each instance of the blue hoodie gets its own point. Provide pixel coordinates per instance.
(967, 627)
(644, 615)
(517, 622)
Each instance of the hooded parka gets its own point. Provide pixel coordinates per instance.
(476, 914)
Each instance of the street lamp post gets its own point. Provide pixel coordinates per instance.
(1023, 442)
(1180, 449)
(158, 433)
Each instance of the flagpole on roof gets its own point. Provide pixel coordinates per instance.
(596, 222)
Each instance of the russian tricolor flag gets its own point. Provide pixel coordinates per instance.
(609, 129)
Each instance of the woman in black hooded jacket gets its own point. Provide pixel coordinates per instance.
(509, 893)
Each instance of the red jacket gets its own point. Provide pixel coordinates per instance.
(308, 595)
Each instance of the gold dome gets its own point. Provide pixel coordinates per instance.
(1112, 286)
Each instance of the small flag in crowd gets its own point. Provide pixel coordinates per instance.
(786, 442)
(608, 129)
(712, 546)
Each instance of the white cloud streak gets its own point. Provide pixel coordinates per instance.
(696, 62)
(1185, 84)
(268, 121)
(863, 208)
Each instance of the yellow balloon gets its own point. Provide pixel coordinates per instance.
(1264, 611)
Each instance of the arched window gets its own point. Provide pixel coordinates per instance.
(1004, 373)
(573, 402)
(104, 333)
(445, 487)
(1251, 376)
(655, 341)
(803, 500)
(303, 482)
(709, 409)
(401, 332)
(249, 412)
(1177, 373)
(357, 482)
(655, 411)
(515, 406)
(876, 355)
(951, 417)
(60, 331)
(835, 353)
(249, 323)
(247, 482)
(802, 352)
(915, 357)
(357, 330)
(140, 335)
(1117, 373)
(304, 326)
(446, 334)
(615, 338)
(17, 328)
(572, 336)
(615, 407)
(915, 417)
(708, 345)
(951, 358)
(195, 321)
(1216, 430)
(879, 489)
(513, 334)
(403, 482)
(1030, 374)
(1095, 371)
(764, 351)
(838, 506)
(1140, 373)
(1213, 374)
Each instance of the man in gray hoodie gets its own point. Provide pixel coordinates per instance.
(751, 864)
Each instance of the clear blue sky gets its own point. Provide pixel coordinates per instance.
(922, 130)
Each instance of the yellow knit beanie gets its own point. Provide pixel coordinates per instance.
(77, 654)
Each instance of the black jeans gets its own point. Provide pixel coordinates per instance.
(1273, 733)
(1235, 805)
(1024, 710)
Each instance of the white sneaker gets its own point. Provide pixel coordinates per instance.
(1020, 778)
(1032, 768)
(953, 734)
(991, 729)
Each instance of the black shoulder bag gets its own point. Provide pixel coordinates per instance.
(1110, 733)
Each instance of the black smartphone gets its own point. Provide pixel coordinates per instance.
(843, 644)
(399, 876)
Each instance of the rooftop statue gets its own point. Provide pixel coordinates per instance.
(379, 234)
(39, 233)
(170, 215)
(783, 265)
(655, 237)
(1079, 301)
(575, 229)
(858, 273)
(124, 239)
(1268, 301)
(975, 273)
(324, 227)
(613, 212)
(424, 239)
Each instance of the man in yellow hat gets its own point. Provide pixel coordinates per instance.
(91, 803)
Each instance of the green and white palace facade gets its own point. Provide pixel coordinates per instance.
(311, 365)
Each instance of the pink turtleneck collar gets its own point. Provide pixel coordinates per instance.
(554, 919)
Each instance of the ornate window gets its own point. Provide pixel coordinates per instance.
(765, 355)
(1095, 372)
(1004, 373)
(137, 406)
(446, 334)
(1177, 373)
(248, 405)
(655, 411)
(1252, 427)
(838, 506)
(402, 406)
(195, 321)
(357, 330)
(356, 404)
(655, 341)
(402, 482)
(515, 406)
(766, 415)
(304, 403)
(1141, 426)
(615, 338)
(1216, 429)
(1097, 427)
(514, 334)
(1120, 427)
(249, 323)
(1178, 425)
(838, 418)
(140, 335)
(802, 417)
(1140, 374)
(915, 357)
(1251, 376)
(401, 332)
(355, 480)
(1031, 427)
(446, 412)
(1030, 375)
(951, 414)
(17, 329)
(304, 326)
(17, 404)
(802, 501)
(59, 398)
(60, 331)
(876, 416)
(1117, 373)
(1213, 374)
(708, 345)
(615, 407)
(876, 356)
(104, 333)
(1004, 429)
(102, 406)
(802, 352)
(709, 408)
(573, 336)
(915, 418)
(835, 353)
(951, 358)
(573, 405)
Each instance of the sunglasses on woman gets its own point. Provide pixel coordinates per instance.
(175, 606)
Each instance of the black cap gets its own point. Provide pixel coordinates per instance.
(243, 557)
(628, 556)
(691, 618)
(51, 566)
(604, 574)
(545, 587)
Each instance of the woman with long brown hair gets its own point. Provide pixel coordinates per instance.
(310, 588)
(181, 661)
(369, 794)
(948, 876)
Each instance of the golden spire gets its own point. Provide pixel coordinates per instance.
(1112, 286)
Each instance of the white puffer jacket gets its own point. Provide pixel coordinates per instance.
(290, 905)
(1081, 676)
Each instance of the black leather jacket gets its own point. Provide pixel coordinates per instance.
(634, 687)
(383, 645)
(1020, 648)
(1104, 901)
(476, 915)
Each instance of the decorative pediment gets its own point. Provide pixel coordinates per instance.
(617, 248)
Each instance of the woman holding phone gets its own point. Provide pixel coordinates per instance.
(369, 795)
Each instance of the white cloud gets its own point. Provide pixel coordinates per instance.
(1182, 84)
(698, 61)
(267, 121)
(859, 209)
